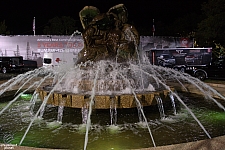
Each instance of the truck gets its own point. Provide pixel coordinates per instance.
(56, 58)
(212, 70)
(180, 58)
(29, 65)
(11, 64)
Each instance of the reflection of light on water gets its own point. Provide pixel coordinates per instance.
(54, 124)
(179, 116)
(26, 96)
(142, 124)
(219, 116)
(210, 116)
(82, 128)
(168, 120)
(113, 129)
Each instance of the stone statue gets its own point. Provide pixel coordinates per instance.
(107, 36)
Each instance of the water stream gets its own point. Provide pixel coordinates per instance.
(107, 76)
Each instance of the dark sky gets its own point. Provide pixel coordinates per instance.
(19, 14)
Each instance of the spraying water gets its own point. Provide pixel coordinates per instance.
(125, 81)
(90, 109)
(103, 77)
(173, 104)
(160, 106)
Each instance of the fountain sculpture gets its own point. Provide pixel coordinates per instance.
(109, 99)
(107, 35)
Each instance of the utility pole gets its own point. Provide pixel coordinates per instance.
(153, 28)
(34, 26)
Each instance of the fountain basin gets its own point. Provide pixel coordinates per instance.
(72, 122)
(165, 132)
(103, 101)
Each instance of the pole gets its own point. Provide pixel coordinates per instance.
(153, 28)
(34, 26)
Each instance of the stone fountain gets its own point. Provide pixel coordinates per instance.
(112, 98)
(110, 39)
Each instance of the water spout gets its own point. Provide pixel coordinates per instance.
(173, 103)
(90, 109)
(39, 110)
(160, 106)
(60, 114)
(113, 111)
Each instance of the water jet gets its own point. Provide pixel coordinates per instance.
(112, 98)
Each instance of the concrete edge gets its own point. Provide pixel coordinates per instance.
(216, 143)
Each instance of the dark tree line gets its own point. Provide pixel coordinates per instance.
(211, 29)
(60, 26)
(207, 29)
(3, 28)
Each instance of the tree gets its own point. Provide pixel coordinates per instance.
(60, 26)
(185, 26)
(3, 28)
(218, 51)
(211, 30)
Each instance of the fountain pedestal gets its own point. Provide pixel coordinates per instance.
(102, 101)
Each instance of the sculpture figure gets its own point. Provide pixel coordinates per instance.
(107, 35)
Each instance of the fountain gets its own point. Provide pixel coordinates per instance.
(112, 98)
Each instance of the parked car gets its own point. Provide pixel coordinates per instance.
(214, 70)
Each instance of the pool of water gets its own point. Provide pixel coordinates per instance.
(128, 133)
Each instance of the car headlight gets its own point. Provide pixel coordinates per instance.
(190, 68)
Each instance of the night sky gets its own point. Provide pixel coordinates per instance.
(19, 14)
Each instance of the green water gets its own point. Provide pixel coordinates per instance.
(128, 134)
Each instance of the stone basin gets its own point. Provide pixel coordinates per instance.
(103, 101)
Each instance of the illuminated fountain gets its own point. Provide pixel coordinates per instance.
(113, 98)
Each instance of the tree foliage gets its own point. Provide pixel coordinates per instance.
(211, 29)
(60, 26)
(3, 28)
(185, 26)
(218, 51)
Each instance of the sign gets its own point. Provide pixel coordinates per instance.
(57, 60)
(59, 45)
(33, 47)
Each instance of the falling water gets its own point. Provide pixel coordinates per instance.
(160, 106)
(139, 107)
(12, 82)
(173, 103)
(113, 112)
(66, 82)
(33, 101)
(60, 114)
(131, 37)
(192, 114)
(90, 109)
(168, 88)
(84, 112)
(12, 101)
(40, 109)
